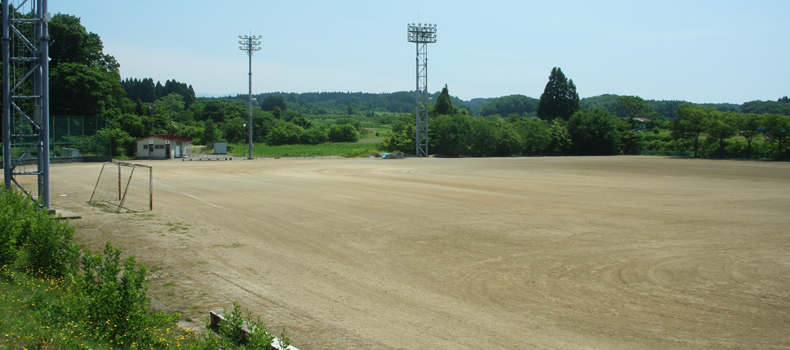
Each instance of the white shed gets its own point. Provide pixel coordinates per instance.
(161, 146)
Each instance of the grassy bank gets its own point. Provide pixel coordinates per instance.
(350, 149)
(53, 295)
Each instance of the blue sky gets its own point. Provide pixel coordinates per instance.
(699, 51)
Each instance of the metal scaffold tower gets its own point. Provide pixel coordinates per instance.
(26, 93)
(422, 35)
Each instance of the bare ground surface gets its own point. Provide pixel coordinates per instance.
(510, 253)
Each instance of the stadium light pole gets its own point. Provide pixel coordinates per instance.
(250, 44)
(422, 35)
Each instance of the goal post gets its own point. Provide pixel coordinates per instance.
(127, 186)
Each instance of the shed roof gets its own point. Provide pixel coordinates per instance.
(167, 137)
(643, 120)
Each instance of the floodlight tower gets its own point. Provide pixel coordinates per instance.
(422, 35)
(250, 44)
(26, 92)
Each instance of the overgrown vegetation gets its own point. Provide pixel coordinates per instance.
(323, 150)
(52, 299)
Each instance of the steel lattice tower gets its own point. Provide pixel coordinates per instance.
(250, 44)
(422, 35)
(26, 92)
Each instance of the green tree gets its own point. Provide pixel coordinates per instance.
(209, 133)
(720, 126)
(83, 80)
(285, 134)
(170, 108)
(315, 136)
(630, 140)
(507, 138)
(560, 138)
(80, 90)
(403, 135)
(303, 122)
(270, 102)
(632, 106)
(689, 124)
(776, 128)
(70, 42)
(263, 124)
(217, 110)
(766, 107)
(512, 104)
(749, 126)
(343, 133)
(559, 99)
(353, 122)
(139, 107)
(593, 132)
(121, 143)
(536, 134)
(607, 102)
(141, 90)
(122, 132)
(449, 134)
(234, 130)
(482, 138)
(444, 105)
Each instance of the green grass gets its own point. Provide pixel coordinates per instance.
(21, 299)
(351, 149)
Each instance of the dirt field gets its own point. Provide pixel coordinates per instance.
(509, 253)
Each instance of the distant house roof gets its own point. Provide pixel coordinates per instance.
(643, 120)
(167, 137)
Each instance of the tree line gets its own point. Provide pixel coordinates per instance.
(344, 103)
(144, 90)
(559, 124)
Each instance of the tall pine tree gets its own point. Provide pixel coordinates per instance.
(444, 106)
(559, 99)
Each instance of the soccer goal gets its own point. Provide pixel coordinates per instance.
(127, 186)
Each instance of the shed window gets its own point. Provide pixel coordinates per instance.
(145, 146)
(159, 146)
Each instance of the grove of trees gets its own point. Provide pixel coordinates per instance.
(716, 131)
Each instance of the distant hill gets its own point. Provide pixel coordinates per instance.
(342, 103)
(665, 108)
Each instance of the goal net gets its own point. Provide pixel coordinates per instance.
(127, 186)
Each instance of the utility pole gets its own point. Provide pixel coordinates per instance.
(152, 107)
(170, 115)
(250, 44)
(422, 35)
